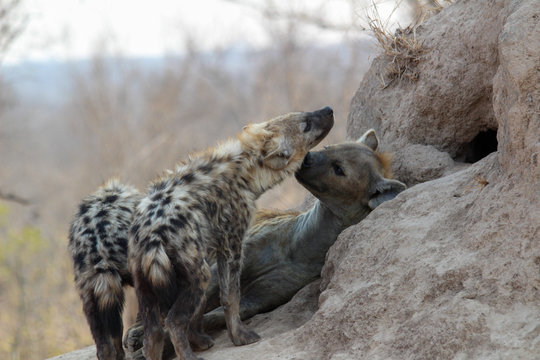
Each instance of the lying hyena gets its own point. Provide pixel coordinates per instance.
(204, 208)
(286, 250)
(98, 242)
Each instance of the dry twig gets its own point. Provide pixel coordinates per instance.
(14, 198)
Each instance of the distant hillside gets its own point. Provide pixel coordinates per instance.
(46, 83)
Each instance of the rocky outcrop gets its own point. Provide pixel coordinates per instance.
(450, 269)
(516, 91)
(452, 273)
(450, 108)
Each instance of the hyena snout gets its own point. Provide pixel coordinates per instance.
(311, 160)
(320, 122)
(308, 161)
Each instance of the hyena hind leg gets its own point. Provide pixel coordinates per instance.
(133, 340)
(198, 339)
(106, 327)
(153, 339)
(184, 316)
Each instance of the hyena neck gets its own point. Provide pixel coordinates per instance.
(248, 167)
(314, 231)
(263, 179)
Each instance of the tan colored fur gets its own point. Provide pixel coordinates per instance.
(202, 209)
(108, 289)
(385, 158)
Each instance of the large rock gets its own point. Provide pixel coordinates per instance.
(451, 102)
(450, 269)
(516, 88)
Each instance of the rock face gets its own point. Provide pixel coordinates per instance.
(450, 269)
(477, 62)
(452, 273)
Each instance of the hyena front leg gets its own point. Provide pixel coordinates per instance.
(229, 268)
(249, 307)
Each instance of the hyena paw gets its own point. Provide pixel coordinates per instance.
(199, 341)
(133, 340)
(137, 355)
(213, 320)
(245, 336)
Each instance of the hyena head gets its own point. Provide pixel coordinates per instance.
(350, 178)
(280, 144)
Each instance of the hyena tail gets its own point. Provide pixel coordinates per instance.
(156, 265)
(108, 290)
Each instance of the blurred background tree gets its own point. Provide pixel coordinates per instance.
(12, 24)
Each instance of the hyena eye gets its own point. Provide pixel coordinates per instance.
(308, 125)
(338, 170)
(284, 154)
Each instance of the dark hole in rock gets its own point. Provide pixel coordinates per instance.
(481, 146)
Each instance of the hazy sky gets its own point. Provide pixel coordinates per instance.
(68, 29)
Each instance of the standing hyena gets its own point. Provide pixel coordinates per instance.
(98, 245)
(204, 208)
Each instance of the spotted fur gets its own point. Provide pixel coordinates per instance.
(98, 243)
(201, 210)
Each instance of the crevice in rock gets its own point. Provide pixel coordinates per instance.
(483, 144)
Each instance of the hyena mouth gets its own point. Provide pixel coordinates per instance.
(322, 136)
(324, 121)
(311, 187)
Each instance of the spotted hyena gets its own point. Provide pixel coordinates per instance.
(200, 210)
(283, 251)
(98, 242)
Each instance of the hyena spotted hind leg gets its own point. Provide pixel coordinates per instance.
(106, 327)
(178, 319)
(98, 246)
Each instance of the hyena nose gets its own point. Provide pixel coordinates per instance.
(324, 112)
(308, 160)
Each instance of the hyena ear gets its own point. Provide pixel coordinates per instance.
(278, 157)
(384, 190)
(369, 139)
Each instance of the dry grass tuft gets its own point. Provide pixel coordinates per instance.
(404, 49)
(402, 46)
